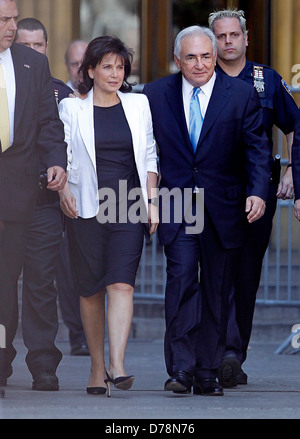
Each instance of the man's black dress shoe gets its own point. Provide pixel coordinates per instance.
(207, 387)
(45, 381)
(80, 349)
(180, 382)
(228, 371)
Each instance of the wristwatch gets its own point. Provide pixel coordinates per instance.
(153, 201)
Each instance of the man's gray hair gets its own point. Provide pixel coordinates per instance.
(228, 13)
(193, 31)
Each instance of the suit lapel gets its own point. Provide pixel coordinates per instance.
(219, 98)
(22, 76)
(175, 102)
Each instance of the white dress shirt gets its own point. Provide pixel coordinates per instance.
(10, 81)
(203, 96)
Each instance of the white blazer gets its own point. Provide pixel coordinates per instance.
(78, 118)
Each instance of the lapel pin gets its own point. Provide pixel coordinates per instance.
(27, 66)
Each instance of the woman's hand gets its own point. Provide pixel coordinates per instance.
(68, 202)
(153, 218)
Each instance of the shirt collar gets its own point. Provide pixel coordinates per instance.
(246, 72)
(206, 88)
(5, 56)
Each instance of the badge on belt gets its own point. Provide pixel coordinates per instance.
(258, 80)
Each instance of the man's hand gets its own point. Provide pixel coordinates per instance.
(57, 178)
(255, 207)
(285, 189)
(68, 202)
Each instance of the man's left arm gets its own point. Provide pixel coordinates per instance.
(285, 117)
(285, 188)
(50, 137)
(258, 158)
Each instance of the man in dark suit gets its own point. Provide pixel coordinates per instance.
(32, 33)
(46, 258)
(36, 133)
(230, 161)
(45, 234)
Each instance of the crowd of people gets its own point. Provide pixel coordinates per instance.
(84, 168)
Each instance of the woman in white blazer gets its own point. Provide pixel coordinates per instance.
(112, 180)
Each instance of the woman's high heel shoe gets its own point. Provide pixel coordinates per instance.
(96, 390)
(124, 383)
(109, 382)
(121, 383)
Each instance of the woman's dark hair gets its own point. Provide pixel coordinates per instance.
(96, 50)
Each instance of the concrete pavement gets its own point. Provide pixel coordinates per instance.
(273, 391)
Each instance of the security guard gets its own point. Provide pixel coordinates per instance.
(39, 292)
(279, 109)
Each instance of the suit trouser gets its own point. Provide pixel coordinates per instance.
(243, 295)
(12, 247)
(39, 294)
(196, 312)
(69, 297)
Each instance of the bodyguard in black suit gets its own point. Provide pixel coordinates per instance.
(39, 293)
(41, 256)
(231, 163)
(43, 248)
(37, 134)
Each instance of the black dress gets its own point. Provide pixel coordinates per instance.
(104, 253)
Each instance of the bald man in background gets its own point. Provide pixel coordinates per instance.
(73, 60)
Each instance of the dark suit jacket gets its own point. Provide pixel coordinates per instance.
(37, 131)
(232, 160)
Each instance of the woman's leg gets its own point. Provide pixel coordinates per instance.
(119, 318)
(93, 318)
